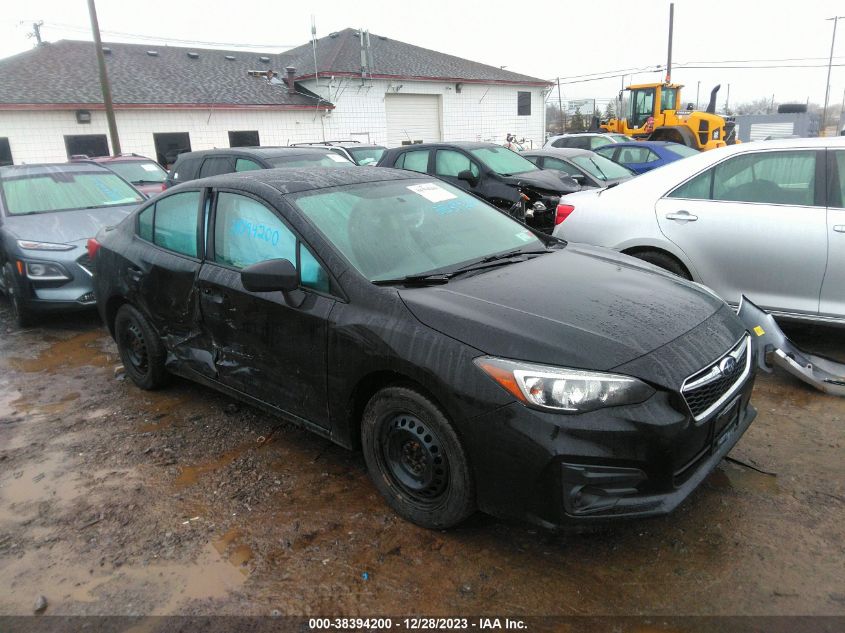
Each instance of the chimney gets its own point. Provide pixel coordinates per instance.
(291, 71)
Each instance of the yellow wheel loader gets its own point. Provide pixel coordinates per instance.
(654, 113)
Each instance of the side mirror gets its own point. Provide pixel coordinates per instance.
(579, 178)
(270, 275)
(467, 176)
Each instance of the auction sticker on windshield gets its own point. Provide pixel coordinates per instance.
(432, 192)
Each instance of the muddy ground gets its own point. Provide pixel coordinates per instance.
(118, 501)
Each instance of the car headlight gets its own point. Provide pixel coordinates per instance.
(563, 390)
(45, 271)
(43, 246)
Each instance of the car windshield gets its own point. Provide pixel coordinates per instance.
(367, 155)
(389, 230)
(600, 167)
(682, 150)
(138, 171)
(64, 191)
(312, 159)
(502, 160)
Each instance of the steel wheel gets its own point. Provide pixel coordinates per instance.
(412, 455)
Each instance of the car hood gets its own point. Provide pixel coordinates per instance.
(583, 307)
(65, 227)
(544, 179)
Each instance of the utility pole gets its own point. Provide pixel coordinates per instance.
(842, 113)
(727, 99)
(104, 79)
(697, 91)
(829, 64)
(669, 56)
(560, 107)
(36, 31)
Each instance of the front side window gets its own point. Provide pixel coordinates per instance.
(559, 165)
(64, 190)
(145, 223)
(414, 161)
(502, 160)
(247, 232)
(767, 177)
(392, 229)
(448, 162)
(175, 222)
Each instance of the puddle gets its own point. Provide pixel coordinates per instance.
(43, 481)
(189, 475)
(80, 350)
(736, 477)
(25, 404)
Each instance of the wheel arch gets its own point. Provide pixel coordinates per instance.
(636, 250)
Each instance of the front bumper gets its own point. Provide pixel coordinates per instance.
(75, 293)
(623, 462)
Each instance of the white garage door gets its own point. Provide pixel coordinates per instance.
(412, 117)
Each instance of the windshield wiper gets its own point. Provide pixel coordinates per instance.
(429, 278)
(498, 259)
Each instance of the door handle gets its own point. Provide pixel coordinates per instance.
(682, 216)
(839, 228)
(133, 273)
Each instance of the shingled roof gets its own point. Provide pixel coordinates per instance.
(65, 73)
(339, 54)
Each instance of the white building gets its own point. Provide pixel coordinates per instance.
(171, 99)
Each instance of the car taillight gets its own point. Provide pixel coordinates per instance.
(93, 246)
(562, 212)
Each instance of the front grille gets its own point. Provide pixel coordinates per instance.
(704, 391)
(86, 263)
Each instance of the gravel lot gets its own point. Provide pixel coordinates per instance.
(118, 501)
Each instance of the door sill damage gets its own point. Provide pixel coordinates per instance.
(775, 349)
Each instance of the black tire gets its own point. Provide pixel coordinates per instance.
(21, 312)
(141, 349)
(416, 460)
(664, 261)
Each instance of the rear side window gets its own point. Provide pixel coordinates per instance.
(635, 155)
(247, 232)
(175, 223)
(415, 161)
(245, 164)
(696, 189)
(215, 165)
(186, 169)
(836, 184)
(599, 141)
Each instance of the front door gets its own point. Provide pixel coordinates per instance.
(449, 163)
(832, 301)
(269, 345)
(755, 224)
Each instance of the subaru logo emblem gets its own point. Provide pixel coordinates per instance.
(727, 366)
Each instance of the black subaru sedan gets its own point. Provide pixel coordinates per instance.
(479, 364)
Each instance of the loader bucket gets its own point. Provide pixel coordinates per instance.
(774, 348)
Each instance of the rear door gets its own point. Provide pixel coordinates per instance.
(163, 271)
(756, 224)
(832, 300)
(269, 345)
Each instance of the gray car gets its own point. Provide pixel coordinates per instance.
(765, 220)
(588, 169)
(47, 215)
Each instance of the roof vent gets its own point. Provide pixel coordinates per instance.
(264, 59)
(231, 58)
(106, 50)
(382, 37)
(152, 53)
(333, 35)
(193, 55)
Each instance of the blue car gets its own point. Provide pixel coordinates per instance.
(643, 156)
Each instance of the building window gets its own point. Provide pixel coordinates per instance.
(247, 138)
(523, 103)
(87, 145)
(5, 152)
(169, 145)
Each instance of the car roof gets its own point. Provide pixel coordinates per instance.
(559, 152)
(117, 159)
(294, 180)
(458, 144)
(258, 152)
(644, 144)
(574, 134)
(36, 169)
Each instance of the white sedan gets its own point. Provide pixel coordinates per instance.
(764, 219)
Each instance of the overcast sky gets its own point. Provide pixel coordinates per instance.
(544, 39)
